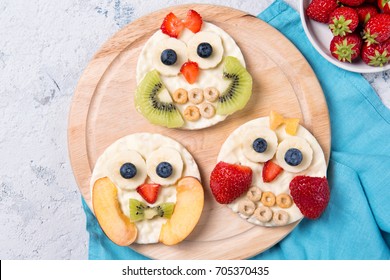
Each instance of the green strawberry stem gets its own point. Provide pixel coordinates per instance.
(379, 59)
(345, 51)
(340, 26)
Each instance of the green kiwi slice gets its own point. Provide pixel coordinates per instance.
(140, 211)
(237, 95)
(148, 104)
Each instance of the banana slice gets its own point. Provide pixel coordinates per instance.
(164, 166)
(294, 154)
(217, 49)
(180, 49)
(257, 150)
(114, 169)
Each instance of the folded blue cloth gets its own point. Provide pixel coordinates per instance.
(356, 224)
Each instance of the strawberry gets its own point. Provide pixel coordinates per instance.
(371, 1)
(193, 21)
(320, 10)
(190, 71)
(377, 29)
(310, 194)
(365, 12)
(376, 54)
(149, 192)
(229, 181)
(352, 3)
(172, 26)
(270, 171)
(343, 20)
(384, 5)
(346, 48)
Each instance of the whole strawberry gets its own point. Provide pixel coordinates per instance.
(229, 181)
(310, 194)
(343, 20)
(365, 12)
(352, 3)
(376, 54)
(377, 29)
(346, 48)
(320, 10)
(384, 5)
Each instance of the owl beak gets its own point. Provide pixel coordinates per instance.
(190, 71)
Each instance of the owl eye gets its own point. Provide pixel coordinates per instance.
(206, 49)
(294, 154)
(169, 55)
(127, 169)
(259, 144)
(164, 166)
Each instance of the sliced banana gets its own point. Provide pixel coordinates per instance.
(298, 143)
(116, 163)
(181, 51)
(206, 37)
(257, 133)
(165, 154)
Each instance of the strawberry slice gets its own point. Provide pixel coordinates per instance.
(190, 71)
(172, 26)
(270, 171)
(193, 21)
(149, 192)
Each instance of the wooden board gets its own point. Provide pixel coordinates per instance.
(103, 111)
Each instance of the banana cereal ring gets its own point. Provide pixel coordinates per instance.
(195, 95)
(254, 194)
(246, 207)
(263, 214)
(211, 94)
(191, 113)
(268, 199)
(180, 96)
(283, 200)
(280, 217)
(207, 110)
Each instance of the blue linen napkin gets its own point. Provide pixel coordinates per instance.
(356, 224)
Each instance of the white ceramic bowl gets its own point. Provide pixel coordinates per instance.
(320, 37)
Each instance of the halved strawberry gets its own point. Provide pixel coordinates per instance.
(310, 194)
(270, 171)
(172, 26)
(149, 192)
(190, 71)
(193, 21)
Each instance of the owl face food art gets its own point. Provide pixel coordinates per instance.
(146, 189)
(271, 171)
(190, 74)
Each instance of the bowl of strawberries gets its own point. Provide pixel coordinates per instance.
(352, 34)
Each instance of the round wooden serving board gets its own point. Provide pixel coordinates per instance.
(103, 111)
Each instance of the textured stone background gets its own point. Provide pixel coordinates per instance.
(44, 47)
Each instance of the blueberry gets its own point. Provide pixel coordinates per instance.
(260, 145)
(168, 57)
(128, 170)
(204, 50)
(293, 157)
(164, 169)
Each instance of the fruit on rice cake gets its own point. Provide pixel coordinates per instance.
(146, 189)
(272, 172)
(190, 74)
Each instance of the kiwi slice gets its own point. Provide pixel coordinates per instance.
(237, 94)
(137, 210)
(165, 210)
(151, 107)
(140, 211)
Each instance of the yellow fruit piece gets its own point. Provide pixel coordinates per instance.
(114, 223)
(275, 120)
(292, 126)
(188, 208)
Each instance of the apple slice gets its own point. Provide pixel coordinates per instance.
(189, 206)
(114, 223)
